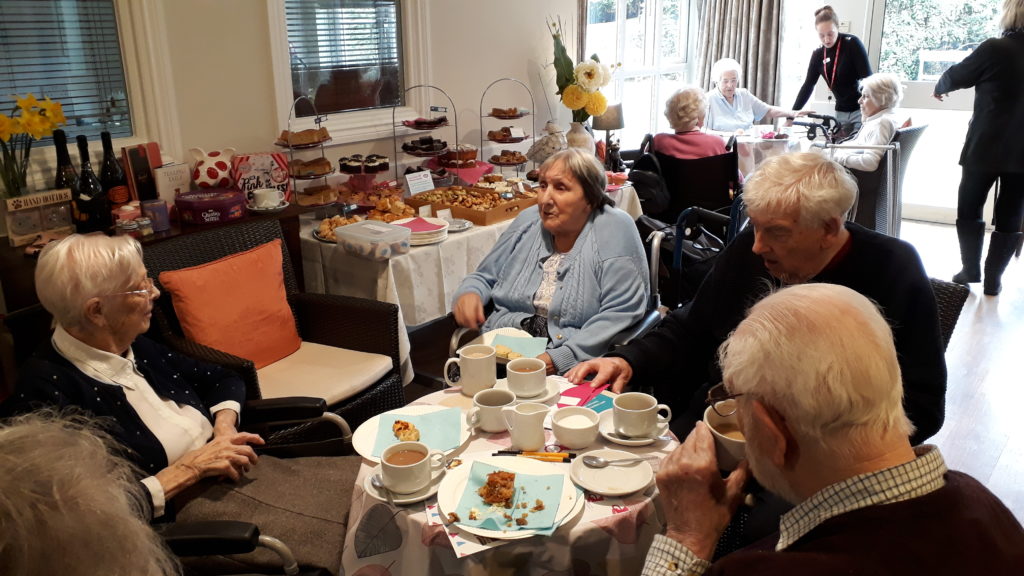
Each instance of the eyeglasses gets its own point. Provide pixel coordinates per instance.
(147, 291)
(721, 401)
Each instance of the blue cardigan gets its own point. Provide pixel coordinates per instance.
(49, 380)
(603, 283)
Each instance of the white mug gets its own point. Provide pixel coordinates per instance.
(267, 197)
(476, 368)
(408, 477)
(730, 445)
(526, 425)
(527, 377)
(486, 411)
(575, 427)
(635, 415)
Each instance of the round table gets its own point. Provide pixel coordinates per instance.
(611, 536)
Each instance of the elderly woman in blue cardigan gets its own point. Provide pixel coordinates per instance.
(572, 269)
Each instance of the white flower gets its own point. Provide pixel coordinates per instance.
(591, 75)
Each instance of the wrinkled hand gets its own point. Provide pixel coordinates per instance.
(224, 422)
(229, 456)
(698, 502)
(549, 364)
(615, 371)
(469, 311)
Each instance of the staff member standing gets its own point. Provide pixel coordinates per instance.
(993, 149)
(842, 61)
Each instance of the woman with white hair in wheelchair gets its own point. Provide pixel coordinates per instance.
(685, 111)
(570, 269)
(734, 109)
(176, 417)
(880, 94)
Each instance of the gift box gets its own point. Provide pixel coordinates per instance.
(210, 206)
(262, 170)
(33, 214)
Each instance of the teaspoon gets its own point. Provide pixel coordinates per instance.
(598, 462)
(378, 483)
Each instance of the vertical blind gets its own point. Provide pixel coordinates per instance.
(328, 36)
(69, 51)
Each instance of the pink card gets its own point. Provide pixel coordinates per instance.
(579, 395)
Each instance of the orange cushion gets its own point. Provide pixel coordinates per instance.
(237, 304)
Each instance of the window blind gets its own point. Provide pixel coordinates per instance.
(69, 51)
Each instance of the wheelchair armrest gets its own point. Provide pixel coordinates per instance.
(456, 342)
(210, 537)
(638, 330)
(289, 409)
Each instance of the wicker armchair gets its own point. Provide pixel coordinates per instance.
(338, 321)
(950, 299)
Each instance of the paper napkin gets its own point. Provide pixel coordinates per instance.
(529, 489)
(439, 430)
(421, 225)
(528, 347)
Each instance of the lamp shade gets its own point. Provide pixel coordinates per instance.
(611, 119)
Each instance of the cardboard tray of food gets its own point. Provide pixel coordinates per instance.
(480, 206)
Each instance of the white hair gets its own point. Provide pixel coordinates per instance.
(726, 65)
(823, 356)
(69, 506)
(685, 108)
(883, 88)
(808, 182)
(1013, 15)
(77, 268)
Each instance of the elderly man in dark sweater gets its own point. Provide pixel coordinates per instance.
(797, 205)
(812, 378)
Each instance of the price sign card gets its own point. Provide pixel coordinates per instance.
(515, 132)
(419, 182)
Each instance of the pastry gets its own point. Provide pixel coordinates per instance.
(499, 489)
(509, 157)
(315, 167)
(327, 226)
(317, 196)
(405, 431)
(303, 137)
(505, 112)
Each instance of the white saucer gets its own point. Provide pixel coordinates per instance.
(459, 225)
(400, 499)
(612, 480)
(607, 429)
(274, 210)
(551, 390)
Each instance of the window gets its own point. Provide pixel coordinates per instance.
(346, 55)
(651, 39)
(69, 51)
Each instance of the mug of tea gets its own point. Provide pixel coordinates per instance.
(267, 198)
(636, 415)
(575, 427)
(527, 377)
(486, 411)
(477, 369)
(408, 466)
(730, 445)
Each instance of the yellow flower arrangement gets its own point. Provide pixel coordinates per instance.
(579, 86)
(17, 133)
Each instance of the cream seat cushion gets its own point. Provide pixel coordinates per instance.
(319, 371)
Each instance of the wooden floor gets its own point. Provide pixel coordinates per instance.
(985, 360)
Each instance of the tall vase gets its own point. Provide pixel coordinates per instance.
(579, 137)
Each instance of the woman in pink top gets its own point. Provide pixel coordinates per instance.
(685, 112)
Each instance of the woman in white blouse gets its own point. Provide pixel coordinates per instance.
(731, 108)
(880, 94)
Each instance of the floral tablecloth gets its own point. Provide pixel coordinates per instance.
(610, 537)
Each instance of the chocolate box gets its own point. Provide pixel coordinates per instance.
(210, 206)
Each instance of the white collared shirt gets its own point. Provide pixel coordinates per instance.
(744, 111)
(179, 428)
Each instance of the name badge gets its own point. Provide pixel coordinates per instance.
(827, 60)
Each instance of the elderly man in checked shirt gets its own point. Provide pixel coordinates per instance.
(818, 394)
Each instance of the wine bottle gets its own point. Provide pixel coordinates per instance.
(93, 207)
(112, 174)
(67, 176)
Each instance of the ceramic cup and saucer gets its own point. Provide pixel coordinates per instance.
(267, 201)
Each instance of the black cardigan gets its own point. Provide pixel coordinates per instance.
(852, 67)
(679, 357)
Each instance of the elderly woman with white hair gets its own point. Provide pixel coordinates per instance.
(176, 417)
(733, 109)
(880, 94)
(685, 111)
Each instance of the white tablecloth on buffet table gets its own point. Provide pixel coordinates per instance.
(610, 537)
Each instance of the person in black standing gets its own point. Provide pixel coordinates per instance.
(993, 149)
(842, 61)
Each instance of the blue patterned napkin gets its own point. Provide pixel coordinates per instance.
(439, 430)
(528, 347)
(529, 488)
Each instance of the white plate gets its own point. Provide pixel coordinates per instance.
(607, 429)
(365, 437)
(454, 484)
(402, 499)
(413, 241)
(273, 210)
(551, 390)
(459, 225)
(611, 480)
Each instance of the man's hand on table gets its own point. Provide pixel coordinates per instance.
(469, 311)
(615, 371)
(698, 502)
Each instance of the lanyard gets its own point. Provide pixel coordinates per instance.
(835, 63)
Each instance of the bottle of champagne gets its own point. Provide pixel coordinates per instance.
(93, 207)
(112, 174)
(66, 177)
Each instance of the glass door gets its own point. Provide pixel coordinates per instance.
(919, 40)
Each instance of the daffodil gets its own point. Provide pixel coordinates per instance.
(8, 126)
(27, 103)
(17, 133)
(54, 111)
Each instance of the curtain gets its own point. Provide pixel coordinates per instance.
(747, 30)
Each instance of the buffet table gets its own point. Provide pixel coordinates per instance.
(610, 536)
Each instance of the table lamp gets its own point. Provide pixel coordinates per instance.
(610, 120)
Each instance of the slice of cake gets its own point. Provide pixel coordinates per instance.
(499, 489)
